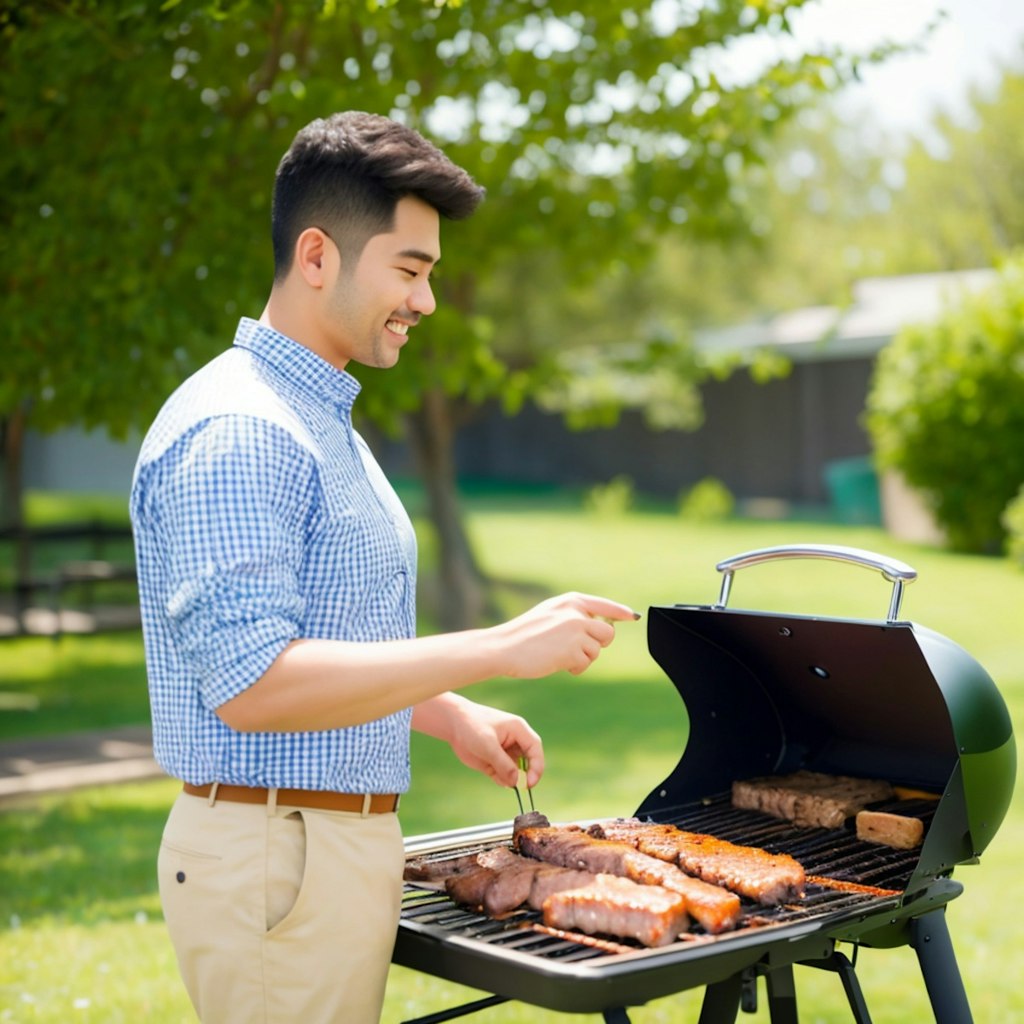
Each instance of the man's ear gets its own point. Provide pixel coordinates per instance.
(312, 256)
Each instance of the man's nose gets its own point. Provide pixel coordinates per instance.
(422, 299)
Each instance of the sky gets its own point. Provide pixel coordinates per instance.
(972, 41)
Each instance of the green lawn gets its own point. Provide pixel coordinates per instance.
(82, 938)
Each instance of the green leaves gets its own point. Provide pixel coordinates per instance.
(139, 146)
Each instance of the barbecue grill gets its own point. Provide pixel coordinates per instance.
(769, 694)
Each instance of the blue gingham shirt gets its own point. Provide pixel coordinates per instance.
(260, 517)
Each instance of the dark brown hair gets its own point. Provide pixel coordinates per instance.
(346, 173)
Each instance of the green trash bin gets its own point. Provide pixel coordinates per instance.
(853, 490)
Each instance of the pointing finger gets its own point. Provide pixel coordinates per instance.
(603, 608)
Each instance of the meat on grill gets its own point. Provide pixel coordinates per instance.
(810, 799)
(715, 909)
(768, 878)
(520, 880)
(429, 869)
(470, 887)
(550, 880)
(895, 830)
(502, 881)
(571, 899)
(616, 906)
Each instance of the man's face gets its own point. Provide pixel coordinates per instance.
(370, 307)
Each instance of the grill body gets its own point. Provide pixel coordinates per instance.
(769, 694)
(766, 694)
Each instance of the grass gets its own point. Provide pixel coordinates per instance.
(82, 938)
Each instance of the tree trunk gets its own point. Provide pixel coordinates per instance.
(12, 434)
(12, 437)
(461, 599)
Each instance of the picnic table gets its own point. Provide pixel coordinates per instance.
(35, 593)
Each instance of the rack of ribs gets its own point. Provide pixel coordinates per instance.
(767, 878)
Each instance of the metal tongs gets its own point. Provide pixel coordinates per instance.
(523, 765)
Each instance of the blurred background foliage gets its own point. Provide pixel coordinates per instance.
(139, 144)
(947, 410)
(636, 193)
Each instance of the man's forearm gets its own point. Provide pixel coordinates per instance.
(332, 684)
(433, 717)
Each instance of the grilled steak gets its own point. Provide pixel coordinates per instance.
(428, 869)
(510, 887)
(617, 906)
(809, 798)
(502, 881)
(470, 887)
(768, 878)
(548, 880)
(570, 847)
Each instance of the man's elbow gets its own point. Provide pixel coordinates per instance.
(243, 713)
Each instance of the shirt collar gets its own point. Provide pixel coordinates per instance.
(299, 365)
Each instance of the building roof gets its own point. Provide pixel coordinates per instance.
(880, 307)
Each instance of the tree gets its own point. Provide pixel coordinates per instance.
(841, 201)
(946, 409)
(963, 202)
(138, 149)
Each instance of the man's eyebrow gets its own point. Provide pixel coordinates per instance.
(419, 255)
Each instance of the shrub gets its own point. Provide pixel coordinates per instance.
(707, 501)
(1013, 523)
(613, 498)
(946, 409)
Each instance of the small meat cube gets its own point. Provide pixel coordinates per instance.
(895, 830)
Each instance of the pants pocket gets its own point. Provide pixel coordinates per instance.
(285, 866)
(187, 881)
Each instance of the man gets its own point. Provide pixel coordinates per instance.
(277, 575)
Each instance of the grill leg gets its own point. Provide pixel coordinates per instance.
(930, 938)
(722, 1001)
(616, 1016)
(851, 985)
(781, 996)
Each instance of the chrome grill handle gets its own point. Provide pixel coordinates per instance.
(899, 574)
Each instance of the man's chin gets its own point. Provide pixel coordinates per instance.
(380, 360)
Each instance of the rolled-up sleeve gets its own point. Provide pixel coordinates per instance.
(233, 501)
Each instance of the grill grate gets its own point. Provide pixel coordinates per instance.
(832, 854)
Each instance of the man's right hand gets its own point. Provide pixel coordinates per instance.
(564, 633)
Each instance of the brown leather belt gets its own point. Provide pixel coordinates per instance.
(322, 800)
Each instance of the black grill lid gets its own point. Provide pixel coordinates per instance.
(770, 694)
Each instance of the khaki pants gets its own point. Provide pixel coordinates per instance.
(281, 915)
